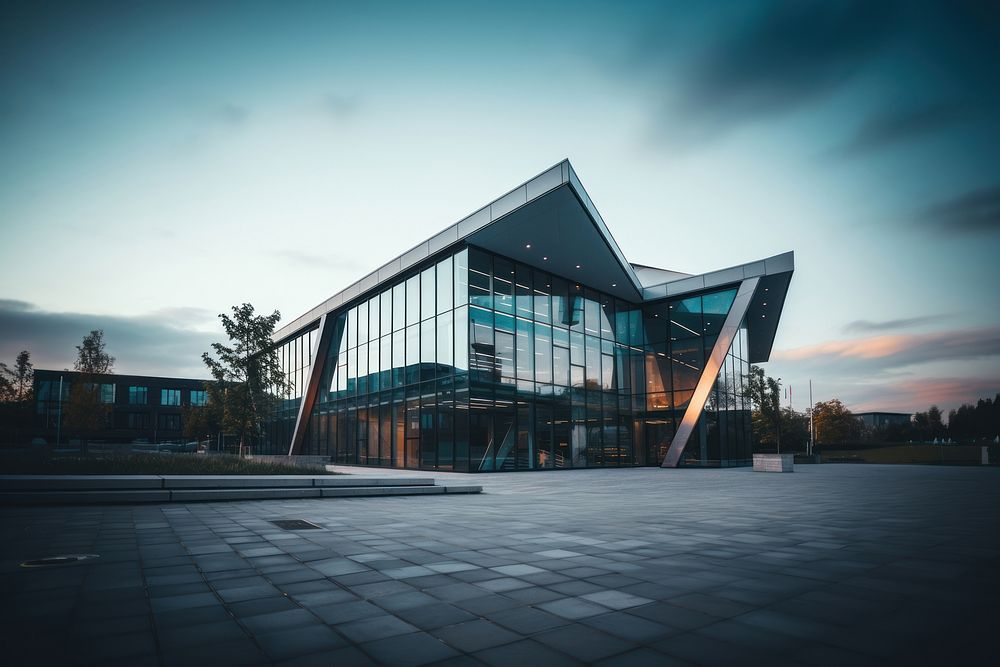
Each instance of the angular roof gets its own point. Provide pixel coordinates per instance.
(551, 222)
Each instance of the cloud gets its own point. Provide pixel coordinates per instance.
(153, 344)
(900, 125)
(788, 55)
(974, 212)
(877, 353)
(909, 395)
(866, 326)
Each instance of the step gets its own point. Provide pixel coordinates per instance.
(131, 482)
(86, 497)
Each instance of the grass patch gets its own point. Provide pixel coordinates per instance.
(147, 464)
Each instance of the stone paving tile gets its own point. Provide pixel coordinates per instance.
(409, 650)
(831, 565)
(475, 635)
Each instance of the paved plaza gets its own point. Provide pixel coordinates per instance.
(830, 565)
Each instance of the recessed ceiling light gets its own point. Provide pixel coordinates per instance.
(614, 284)
(763, 315)
(578, 266)
(765, 303)
(545, 259)
(528, 245)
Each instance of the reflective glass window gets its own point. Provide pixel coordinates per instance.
(385, 307)
(503, 285)
(445, 285)
(137, 395)
(199, 397)
(542, 288)
(170, 397)
(373, 319)
(462, 277)
(523, 296)
(427, 290)
(413, 300)
(525, 344)
(543, 353)
(505, 355)
(461, 338)
(363, 323)
(399, 307)
(480, 272)
(445, 339)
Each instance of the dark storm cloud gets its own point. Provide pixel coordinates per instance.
(154, 344)
(974, 212)
(788, 55)
(869, 326)
(897, 126)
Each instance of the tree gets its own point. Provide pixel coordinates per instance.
(86, 412)
(765, 395)
(247, 372)
(91, 359)
(16, 393)
(16, 384)
(834, 423)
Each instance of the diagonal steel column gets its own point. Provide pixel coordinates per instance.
(711, 372)
(320, 350)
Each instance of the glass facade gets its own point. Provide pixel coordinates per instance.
(474, 362)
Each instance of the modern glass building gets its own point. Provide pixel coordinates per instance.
(520, 338)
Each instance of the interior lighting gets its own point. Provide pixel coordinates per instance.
(578, 266)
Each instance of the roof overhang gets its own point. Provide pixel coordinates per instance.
(550, 222)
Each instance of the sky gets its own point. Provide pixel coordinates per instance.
(161, 162)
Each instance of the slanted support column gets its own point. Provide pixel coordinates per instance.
(711, 372)
(320, 351)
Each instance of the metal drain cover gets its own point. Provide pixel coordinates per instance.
(50, 561)
(295, 524)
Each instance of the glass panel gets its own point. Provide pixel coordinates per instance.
(482, 352)
(480, 270)
(462, 277)
(462, 338)
(541, 288)
(445, 342)
(413, 300)
(362, 323)
(543, 354)
(373, 319)
(523, 295)
(505, 356)
(385, 307)
(525, 350)
(445, 285)
(427, 293)
(503, 285)
(427, 350)
(398, 307)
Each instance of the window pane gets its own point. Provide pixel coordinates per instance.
(385, 307)
(445, 340)
(542, 287)
(543, 354)
(480, 270)
(398, 307)
(373, 319)
(503, 285)
(427, 293)
(413, 300)
(363, 323)
(462, 277)
(445, 285)
(462, 338)
(523, 302)
(525, 350)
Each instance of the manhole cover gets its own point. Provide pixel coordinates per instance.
(295, 524)
(49, 561)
